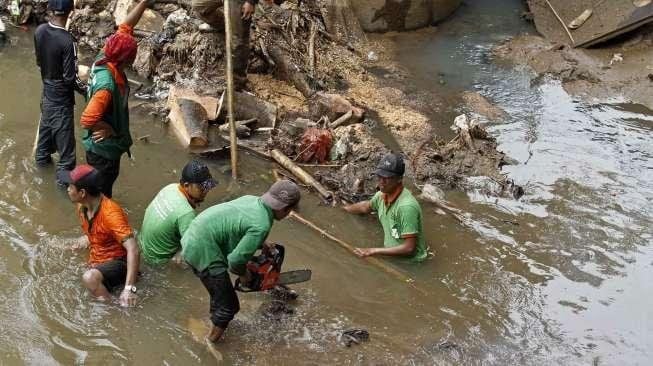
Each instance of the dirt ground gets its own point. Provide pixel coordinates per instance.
(620, 69)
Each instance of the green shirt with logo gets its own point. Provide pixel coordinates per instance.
(226, 235)
(403, 217)
(165, 222)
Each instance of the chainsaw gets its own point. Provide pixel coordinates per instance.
(265, 271)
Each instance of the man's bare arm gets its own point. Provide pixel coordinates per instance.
(360, 208)
(405, 249)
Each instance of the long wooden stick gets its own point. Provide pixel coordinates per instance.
(300, 173)
(350, 248)
(230, 90)
(573, 43)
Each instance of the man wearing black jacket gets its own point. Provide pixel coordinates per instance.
(56, 56)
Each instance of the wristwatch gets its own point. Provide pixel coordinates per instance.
(131, 288)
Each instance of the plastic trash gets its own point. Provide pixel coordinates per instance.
(315, 145)
(340, 148)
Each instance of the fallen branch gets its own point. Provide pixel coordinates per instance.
(265, 53)
(301, 174)
(573, 43)
(321, 165)
(342, 119)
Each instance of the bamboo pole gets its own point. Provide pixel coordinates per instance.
(300, 173)
(230, 90)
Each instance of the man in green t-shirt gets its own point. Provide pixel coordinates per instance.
(398, 211)
(171, 212)
(224, 238)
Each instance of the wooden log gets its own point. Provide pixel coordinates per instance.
(342, 119)
(300, 173)
(189, 121)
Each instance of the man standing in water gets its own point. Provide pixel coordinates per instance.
(398, 211)
(105, 120)
(113, 256)
(224, 238)
(56, 56)
(171, 212)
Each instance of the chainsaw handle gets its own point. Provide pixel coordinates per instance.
(238, 286)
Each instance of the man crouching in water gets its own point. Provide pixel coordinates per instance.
(223, 239)
(113, 256)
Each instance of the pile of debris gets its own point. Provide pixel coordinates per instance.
(316, 113)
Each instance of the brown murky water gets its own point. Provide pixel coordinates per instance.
(559, 277)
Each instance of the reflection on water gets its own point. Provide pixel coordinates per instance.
(559, 277)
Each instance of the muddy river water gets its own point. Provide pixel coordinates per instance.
(561, 276)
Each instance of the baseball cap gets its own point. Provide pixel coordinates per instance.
(60, 6)
(82, 176)
(197, 172)
(391, 165)
(282, 194)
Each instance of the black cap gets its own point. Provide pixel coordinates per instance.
(197, 172)
(391, 165)
(60, 7)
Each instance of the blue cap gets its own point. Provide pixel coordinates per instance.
(61, 6)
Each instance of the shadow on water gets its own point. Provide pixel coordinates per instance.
(559, 277)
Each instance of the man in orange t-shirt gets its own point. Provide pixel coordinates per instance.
(114, 255)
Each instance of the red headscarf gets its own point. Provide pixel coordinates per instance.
(119, 48)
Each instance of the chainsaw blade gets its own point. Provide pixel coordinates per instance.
(290, 277)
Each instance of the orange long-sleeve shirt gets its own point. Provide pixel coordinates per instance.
(100, 102)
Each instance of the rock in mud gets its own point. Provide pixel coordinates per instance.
(146, 62)
(354, 336)
(480, 105)
(151, 21)
(295, 128)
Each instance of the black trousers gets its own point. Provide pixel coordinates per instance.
(109, 169)
(56, 134)
(224, 300)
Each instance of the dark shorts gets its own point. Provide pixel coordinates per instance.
(224, 301)
(113, 272)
